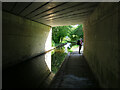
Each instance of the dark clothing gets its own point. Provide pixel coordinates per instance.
(79, 43)
(79, 48)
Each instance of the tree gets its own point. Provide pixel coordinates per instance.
(77, 33)
(59, 32)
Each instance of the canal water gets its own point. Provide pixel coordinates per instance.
(57, 59)
(75, 73)
(58, 55)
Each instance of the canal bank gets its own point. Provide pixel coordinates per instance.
(74, 73)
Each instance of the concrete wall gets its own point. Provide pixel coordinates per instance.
(23, 39)
(119, 37)
(101, 48)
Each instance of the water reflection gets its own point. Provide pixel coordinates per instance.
(48, 47)
(57, 59)
(58, 55)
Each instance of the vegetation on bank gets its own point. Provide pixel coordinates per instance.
(64, 34)
(57, 59)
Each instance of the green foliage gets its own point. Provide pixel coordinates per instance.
(69, 50)
(53, 43)
(57, 59)
(52, 52)
(59, 32)
(77, 33)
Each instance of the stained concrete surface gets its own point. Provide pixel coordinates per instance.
(101, 44)
(74, 73)
(21, 40)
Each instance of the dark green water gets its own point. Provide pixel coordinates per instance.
(57, 58)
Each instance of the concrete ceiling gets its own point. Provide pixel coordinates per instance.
(52, 13)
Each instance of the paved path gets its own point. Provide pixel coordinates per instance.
(74, 73)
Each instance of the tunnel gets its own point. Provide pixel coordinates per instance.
(27, 32)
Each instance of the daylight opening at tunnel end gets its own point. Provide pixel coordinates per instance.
(68, 39)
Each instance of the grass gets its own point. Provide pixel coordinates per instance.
(73, 47)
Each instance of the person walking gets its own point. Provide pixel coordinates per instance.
(79, 42)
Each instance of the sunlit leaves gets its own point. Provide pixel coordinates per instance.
(60, 32)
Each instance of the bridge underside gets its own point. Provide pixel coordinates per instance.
(52, 13)
(27, 32)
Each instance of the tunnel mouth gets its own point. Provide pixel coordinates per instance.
(68, 35)
(25, 36)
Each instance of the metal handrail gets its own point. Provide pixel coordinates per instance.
(38, 55)
(61, 45)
